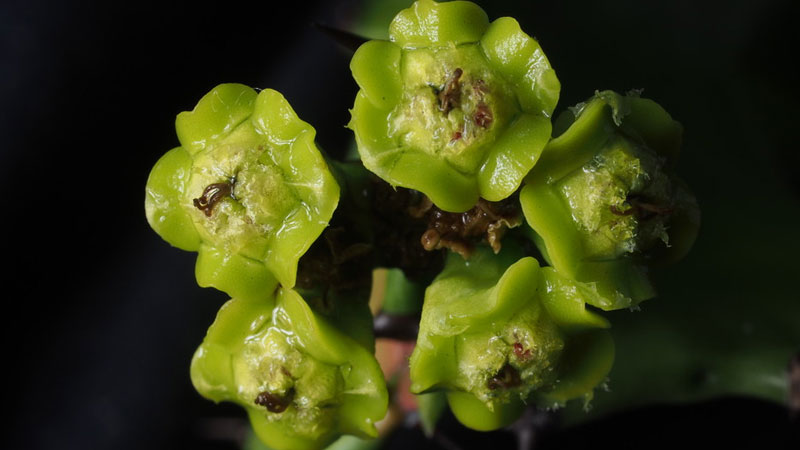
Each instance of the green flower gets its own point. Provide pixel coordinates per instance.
(498, 331)
(453, 106)
(302, 381)
(248, 190)
(603, 201)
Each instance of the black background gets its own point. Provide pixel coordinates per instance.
(101, 317)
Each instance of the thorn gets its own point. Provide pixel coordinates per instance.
(346, 39)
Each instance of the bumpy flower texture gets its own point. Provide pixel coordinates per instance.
(452, 105)
(248, 190)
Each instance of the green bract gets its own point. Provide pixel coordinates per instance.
(498, 331)
(453, 106)
(248, 190)
(302, 381)
(603, 202)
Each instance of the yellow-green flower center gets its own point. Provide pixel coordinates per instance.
(292, 388)
(453, 104)
(516, 360)
(237, 196)
(621, 200)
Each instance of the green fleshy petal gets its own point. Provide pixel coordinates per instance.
(275, 119)
(164, 192)
(547, 214)
(315, 335)
(449, 189)
(318, 193)
(371, 127)
(621, 282)
(376, 69)
(427, 23)
(512, 156)
(565, 301)
(474, 414)
(573, 148)
(586, 362)
(521, 61)
(215, 115)
(236, 275)
(645, 121)
(500, 281)
(278, 437)
(434, 365)
(212, 365)
(307, 176)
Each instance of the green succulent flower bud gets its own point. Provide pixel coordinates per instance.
(603, 201)
(248, 190)
(453, 106)
(498, 331)
(302, 381)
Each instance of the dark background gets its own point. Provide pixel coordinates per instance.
(101, 317)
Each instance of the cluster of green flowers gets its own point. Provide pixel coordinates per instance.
(458, 111)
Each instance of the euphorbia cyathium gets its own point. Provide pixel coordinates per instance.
(496, 332)
(302, 381)
(603, 201)
(453, 121)
(452, 105)
(248, 190)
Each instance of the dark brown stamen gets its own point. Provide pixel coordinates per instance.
(506, 378)
(212, 195)
(618, 212)
(273, 402)
(449, 95)
(483, 115)
(641, 208)
(430, 239)
(456, 136)
(460, 231)
(652, 208)
(480, 87)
